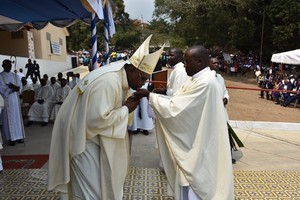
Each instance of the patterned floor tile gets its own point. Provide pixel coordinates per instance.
(150, 184)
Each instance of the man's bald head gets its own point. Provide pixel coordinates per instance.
(196, 58)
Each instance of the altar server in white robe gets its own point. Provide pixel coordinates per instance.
(40, 109)
(12, 121)
(192, 134)
(89, 153)
(141, 120)
(61, 94)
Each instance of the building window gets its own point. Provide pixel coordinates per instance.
(48, 36)
(60, 41)
(17, 35)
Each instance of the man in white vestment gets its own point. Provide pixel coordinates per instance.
(192, 134)
(54, 85)
(213, 64)
(25, 85)
(178, 76)
(89, 153)
(61, 94)
(74, 79)
(40, 109)
(35, 84)
(12, 121)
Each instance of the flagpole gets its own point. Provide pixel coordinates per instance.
(106, 32)
(94, 64)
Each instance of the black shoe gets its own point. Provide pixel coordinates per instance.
(29, 123)
(145, 132)
(11, 143)
(44, 123)
(135, 132)
(233, 161)
(20, 141)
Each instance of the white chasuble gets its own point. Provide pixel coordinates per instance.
(193, 138)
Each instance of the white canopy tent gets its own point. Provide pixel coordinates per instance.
(288, 57)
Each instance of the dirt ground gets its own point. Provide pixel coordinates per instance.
(247, 105)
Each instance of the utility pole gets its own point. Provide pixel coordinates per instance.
(262, 38)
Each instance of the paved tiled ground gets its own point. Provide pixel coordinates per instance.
(150, 184)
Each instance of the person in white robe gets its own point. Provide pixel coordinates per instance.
(40, 109)
(214, 64)
(176, 79)
(25, 85)
(178, 75)
(1, 142)
(12, 121)
(61, 94)
(74, 79)
(142, 121)
(89, 153)
(35, 84)
(54, 85)
(192, 134)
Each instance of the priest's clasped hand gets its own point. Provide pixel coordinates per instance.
(131, 103)
(140, 93)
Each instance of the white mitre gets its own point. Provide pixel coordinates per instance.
(144, 61)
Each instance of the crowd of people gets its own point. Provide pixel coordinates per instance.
(286, 87)
(49, 94)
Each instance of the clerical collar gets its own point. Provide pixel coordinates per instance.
(178, 64)
(201, 72)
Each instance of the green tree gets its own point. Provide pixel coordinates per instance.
(285, 17)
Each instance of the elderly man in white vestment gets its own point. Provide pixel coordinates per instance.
(89, 153)
(40, 109)
(60, 95)
(192, 134)
(12, 121)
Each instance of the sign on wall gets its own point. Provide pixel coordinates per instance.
(55, 48)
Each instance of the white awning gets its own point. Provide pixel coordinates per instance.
(288, 57)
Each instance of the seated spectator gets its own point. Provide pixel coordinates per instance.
(74, 79)
(35, 84)
(293, 96)
(54, 85)
(40, 109)
(276, 94)
(26, 86)
(46, 78)
(286, 87)
(61, 94)
(59, 77)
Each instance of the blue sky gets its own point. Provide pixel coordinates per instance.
(139, 8)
